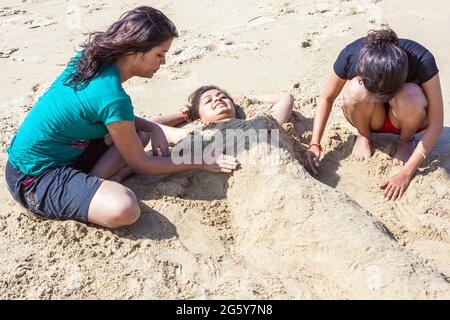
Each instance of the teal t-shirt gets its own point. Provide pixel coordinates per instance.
(56, 130)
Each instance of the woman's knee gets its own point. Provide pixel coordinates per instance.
(125, 209)
(409, 101)
(362, 108)
(353, 93)
(114, 206)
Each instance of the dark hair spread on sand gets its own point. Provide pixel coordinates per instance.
(138, 30)
(382, 64)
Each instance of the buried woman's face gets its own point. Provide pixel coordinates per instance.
(215, 105)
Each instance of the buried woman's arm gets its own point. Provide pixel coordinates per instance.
(282, 104)
(173, 135)
(172, 119)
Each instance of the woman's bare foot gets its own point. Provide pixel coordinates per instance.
(362, 150)
(405, 148)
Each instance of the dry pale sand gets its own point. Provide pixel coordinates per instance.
(255, 234)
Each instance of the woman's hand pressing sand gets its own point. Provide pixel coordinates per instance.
(222, 163)
(395, 186)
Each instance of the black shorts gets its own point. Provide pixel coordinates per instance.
(61, 193)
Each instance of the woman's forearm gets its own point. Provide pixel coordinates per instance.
(130, 148)
(321, 118)
(423, 148)
(154, 165)
(172, 120)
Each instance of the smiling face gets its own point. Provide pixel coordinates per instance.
(215, 105)
(148, 63)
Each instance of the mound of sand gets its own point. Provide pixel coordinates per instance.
(268, 231)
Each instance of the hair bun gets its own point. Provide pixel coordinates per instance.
(383, 36)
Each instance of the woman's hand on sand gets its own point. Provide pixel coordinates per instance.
(159, 141)
(395, 186)
(222, 163)
(312, 161)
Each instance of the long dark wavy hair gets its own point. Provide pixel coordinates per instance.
(138, 30)
(382, 64)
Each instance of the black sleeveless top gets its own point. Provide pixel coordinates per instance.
(422, 66)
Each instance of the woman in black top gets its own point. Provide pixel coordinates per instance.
(392, 86)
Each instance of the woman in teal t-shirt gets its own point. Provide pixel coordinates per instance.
(60, 164)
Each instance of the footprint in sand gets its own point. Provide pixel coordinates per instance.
(260, 21)
(280, 9)
(8, 12)
(318, 11)
(226, 46)
(95, 7)
(7, 52)
(33, 24)
(177, 74)
(188, 54)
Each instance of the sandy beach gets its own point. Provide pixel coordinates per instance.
(249, 235)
